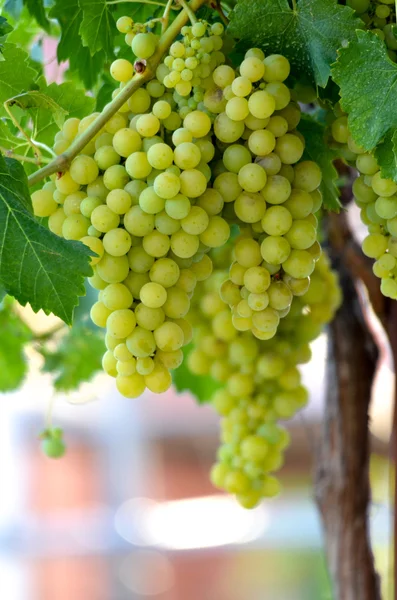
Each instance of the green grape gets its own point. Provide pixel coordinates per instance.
(115, 177)
(184, 245)
(290, 148)
(196, 221)
(275, 250)
(126, 141)
(113, 269)
(75, 227)
(216, 234)
(95, 245)
(153, 295)
(131, 386)
(261, 142)
(83, 169)
(149, 318)
(299, 264)
(119, 202)
(144, 45)
(99, 314)
(139, 260)
(121, 323)
(228, 186)
(261, 104)
(227, 130)
(116, 296)
(104, 219)
(301, 235)
(235, 157)
(137, 222)
(167, 185)
(192, 183)
(43, 203)
(277, 220)
(156, 244)
(280, 296)
(250, 208)
(252, 177)
(117, 242)
(71, 205)
(53, 447)
(121, 70)
(159, 380)
(374, 245)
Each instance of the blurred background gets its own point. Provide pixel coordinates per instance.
(130, 513)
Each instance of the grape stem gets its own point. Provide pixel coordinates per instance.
(216, 5)
(190, 13)
(22, 158)
(36, 150)
(166, 15)
(62, 161)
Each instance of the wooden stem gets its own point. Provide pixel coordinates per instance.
(342, 476)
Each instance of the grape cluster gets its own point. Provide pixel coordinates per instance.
(377, 199)
(201, 148)
(268, 190)
(144, 208)
(262, 382)
(380, 17)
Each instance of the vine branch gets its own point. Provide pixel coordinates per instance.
(22, 158)
(62, 161)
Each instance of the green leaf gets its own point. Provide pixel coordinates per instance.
(5, 27)
(36, 266)
(368, 87)
(98, 27)
(318, 150)
(309, 36)
(39, 100)
(69, 15)
(14, 335)
(202, 387)
(16, 74)
(77, 358)
(386, 155)
(72, 102)
(37, 10)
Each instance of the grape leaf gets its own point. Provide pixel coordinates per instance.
(309, 36)
(37, 10)
(318, 150)
(202, 387)
(69, 15)
(72, 101)
(16, 73)
(368, 87)
(36, 266)
(14, 335)
(39, 100)
(5, 27)
(386, 155)
(77, 358)
(98, 27)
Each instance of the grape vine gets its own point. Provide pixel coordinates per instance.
(190, 188)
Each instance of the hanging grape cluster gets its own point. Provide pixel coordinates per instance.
(199, 150)
(376, 198)
(262, 382)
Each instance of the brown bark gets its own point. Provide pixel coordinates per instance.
(342, 478)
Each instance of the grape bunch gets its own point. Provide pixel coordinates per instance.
(200, 150)
(262, 382)
(380, 17)
(377, 199)
(141, 205)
